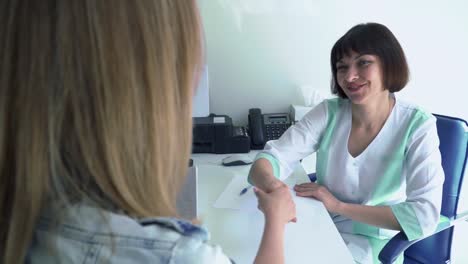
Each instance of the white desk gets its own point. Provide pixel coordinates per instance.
(311, 240)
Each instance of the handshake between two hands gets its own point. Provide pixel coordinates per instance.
(276, 201)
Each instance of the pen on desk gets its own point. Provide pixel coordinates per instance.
(245, 190)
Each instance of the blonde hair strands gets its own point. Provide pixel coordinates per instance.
(95, 104)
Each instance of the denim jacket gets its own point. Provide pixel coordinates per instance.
(86, 234)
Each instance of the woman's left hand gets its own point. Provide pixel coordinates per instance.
(319, 192)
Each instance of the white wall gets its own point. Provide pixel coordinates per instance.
(261, 51)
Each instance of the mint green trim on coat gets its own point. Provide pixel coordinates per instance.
(367, 230)
(406, 216)
(274, 164)
(443, 221)
(333, 106)
(391, 179)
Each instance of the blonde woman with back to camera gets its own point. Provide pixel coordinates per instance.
(88, 175)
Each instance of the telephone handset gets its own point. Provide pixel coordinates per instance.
(265, 127)
(256, 128)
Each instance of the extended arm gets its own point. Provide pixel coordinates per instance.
(278, 208)
(280, 156)
(271, 247)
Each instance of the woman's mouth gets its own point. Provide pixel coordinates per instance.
(355, 87)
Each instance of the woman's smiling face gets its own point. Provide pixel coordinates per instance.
(360, 76)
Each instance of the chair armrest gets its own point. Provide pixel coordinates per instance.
(399, 243)
(392, 250)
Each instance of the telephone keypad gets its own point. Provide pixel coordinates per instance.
(274, 131)
(265, 127)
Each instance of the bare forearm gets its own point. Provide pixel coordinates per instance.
(261, 174)
(381, 216)
(271, 248)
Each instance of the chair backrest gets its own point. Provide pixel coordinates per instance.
(453, 136)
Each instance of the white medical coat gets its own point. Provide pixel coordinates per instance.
(400, 168)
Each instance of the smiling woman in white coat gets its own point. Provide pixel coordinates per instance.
(378, 162)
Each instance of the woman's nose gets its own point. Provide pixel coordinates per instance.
(351, 75)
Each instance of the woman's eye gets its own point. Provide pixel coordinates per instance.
(341, 67)
(364, 63)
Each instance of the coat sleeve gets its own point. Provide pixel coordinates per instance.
(299, 141)
(419, 214)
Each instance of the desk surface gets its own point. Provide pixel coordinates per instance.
(313, 239)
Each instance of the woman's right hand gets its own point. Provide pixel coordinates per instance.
(278, 204)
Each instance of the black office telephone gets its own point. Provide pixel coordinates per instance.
(264, 127)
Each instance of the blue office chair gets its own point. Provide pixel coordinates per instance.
(436, 248)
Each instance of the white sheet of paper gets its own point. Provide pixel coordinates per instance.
(231, 198)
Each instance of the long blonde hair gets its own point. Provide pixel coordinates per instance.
(95, 103)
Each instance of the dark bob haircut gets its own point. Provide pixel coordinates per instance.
(374, 39)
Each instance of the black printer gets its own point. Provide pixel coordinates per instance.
(216, 134)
